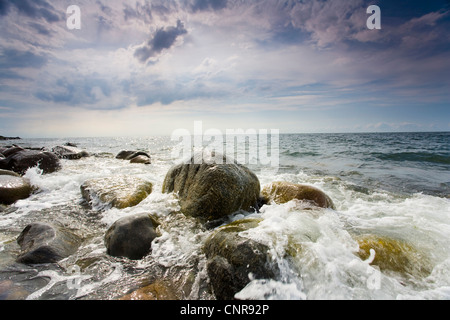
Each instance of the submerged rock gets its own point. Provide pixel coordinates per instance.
(131, 236)
(69, 152)
(159, 290)
(210, 190)
(13, 187)
(24, 159)
(234, 260)
(282, 192)
(117, 191)
(393, 255)
(44, 243)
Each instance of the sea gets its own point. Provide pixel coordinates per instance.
(385, 185)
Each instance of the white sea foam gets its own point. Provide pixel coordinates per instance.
(315, 249)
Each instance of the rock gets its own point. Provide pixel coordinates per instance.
(131, 236)
(282, 192)
(211, 190)
(70, 144)
(233, 259)
(69, 152)
(118, 191)
(13, 187)
(22, 160)
(9, 138)
(44, 243)
(159, 290)
(393, 255)
(128, 155)
(11, 291)
(141, 159)
(10, 151)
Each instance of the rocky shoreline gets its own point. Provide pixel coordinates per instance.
(2, 138)
(208, 193)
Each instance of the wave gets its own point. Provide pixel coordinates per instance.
(414, 156)
(299, 154)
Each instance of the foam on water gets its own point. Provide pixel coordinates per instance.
(315, 249)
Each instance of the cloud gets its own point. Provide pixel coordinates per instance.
(204, 5)
(14, 58)
(32, 8)
(162, 39)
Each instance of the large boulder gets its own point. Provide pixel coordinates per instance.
(131, 236)
(393, 255)
(69, 152)
(282, 192)
(233, 260)
(13, 187)
(24, 159)
(210, 190)
(45, 243)
(116, 191)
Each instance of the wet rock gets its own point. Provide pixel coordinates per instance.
(11, 291)
(11, 150)
(128, 155)
(141, 159)
(9, 138)
(234, 260)
(117, 191)
(131, 236)
(282, 192)
(22, 160)
(159, 290)
(69, 152)
(209, 190)
(393, 255)
(13, 187)
(44, 243)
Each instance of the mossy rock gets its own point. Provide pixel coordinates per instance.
(282, 192)
(393, 255)
(233, 259)
(209, 190)
(118, 191)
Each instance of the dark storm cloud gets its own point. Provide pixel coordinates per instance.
(33, 9)
(162, 39)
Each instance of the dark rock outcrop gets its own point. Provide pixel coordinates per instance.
(134, 156)
(20, 160)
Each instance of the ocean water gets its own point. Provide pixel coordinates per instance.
(391, 185)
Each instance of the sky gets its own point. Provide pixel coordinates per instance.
(144, 67)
